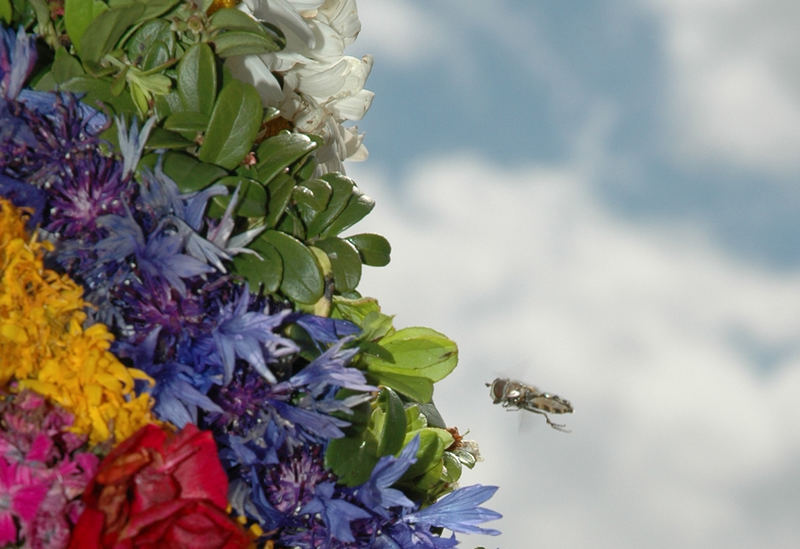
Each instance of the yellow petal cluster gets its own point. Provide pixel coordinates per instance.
(44, 347)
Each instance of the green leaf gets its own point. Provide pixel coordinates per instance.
(230, 43)
(414, 387)
(5, 11)
(345, 262)
(342, 188)
(358, 206)
(189, 173)
(417, 351)
(157, 54)
(432, 416)
(311, 198)
(65, 66)
(277, 153)
(280, 191)
(78, 15)
(184, 121)
(390, 422)
(164, 139)
(354, 310)
(302, 279)
(197, 79)
(107, 28)
(266, 270)
(234, 124)
(252, 200)
(431, 448)
(233, 19)
(373, 248)
(156, 30)
(97, 89)
(351, 459)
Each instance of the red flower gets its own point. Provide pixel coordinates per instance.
(159, 489)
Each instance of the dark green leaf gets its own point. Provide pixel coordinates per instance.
(197, 79)
(345, 262)
(342, 188)
(229, 43)
(184, 121)
(164, 139)
(373, 248)
(233, 19)
(157, 54)
(392, 429)
(156, 30)
(234, 124)
(266, 270)
(279, 190)
(251, 202)
(302, 279)
(277, 153)
(452, 467)
(311, 198)
(189, 173)
(357, 207)
(432, 416)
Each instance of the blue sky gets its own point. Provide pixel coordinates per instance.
(601, 199)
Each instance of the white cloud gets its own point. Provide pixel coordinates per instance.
(734, 84)
(679, 439)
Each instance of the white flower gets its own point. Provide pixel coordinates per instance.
(322, 88)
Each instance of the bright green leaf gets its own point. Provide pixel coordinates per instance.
(279, 190)
(5, 11)
(351, 459)
(420, 351)
(107, 28)
(342, 188)
(189, 173)
(230, 43)
(414, 387)
(392, 428)
(78, 14)
(184, 121)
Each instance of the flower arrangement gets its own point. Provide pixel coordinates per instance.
(185, 360)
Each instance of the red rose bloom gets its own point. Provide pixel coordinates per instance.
(159, 489)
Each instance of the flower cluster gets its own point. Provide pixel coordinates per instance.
(44, 468)
(173, 280)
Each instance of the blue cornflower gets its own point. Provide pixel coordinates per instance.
(132, 142)
(17, 59)
(323, 329)
(24, 195)
(335, 512)
(249, 335)
(376, 494)
(459, 511)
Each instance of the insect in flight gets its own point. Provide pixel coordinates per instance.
(515, 395)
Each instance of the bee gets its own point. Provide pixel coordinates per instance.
(515, 395)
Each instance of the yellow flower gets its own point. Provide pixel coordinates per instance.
(44, 346)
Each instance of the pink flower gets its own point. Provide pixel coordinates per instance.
(21, 494)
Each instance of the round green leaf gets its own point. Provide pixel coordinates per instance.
(266, 271)
(251, 202)
(302, 279)
(277, 153)
(420, 351)
(374, 249)
(345, 262)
